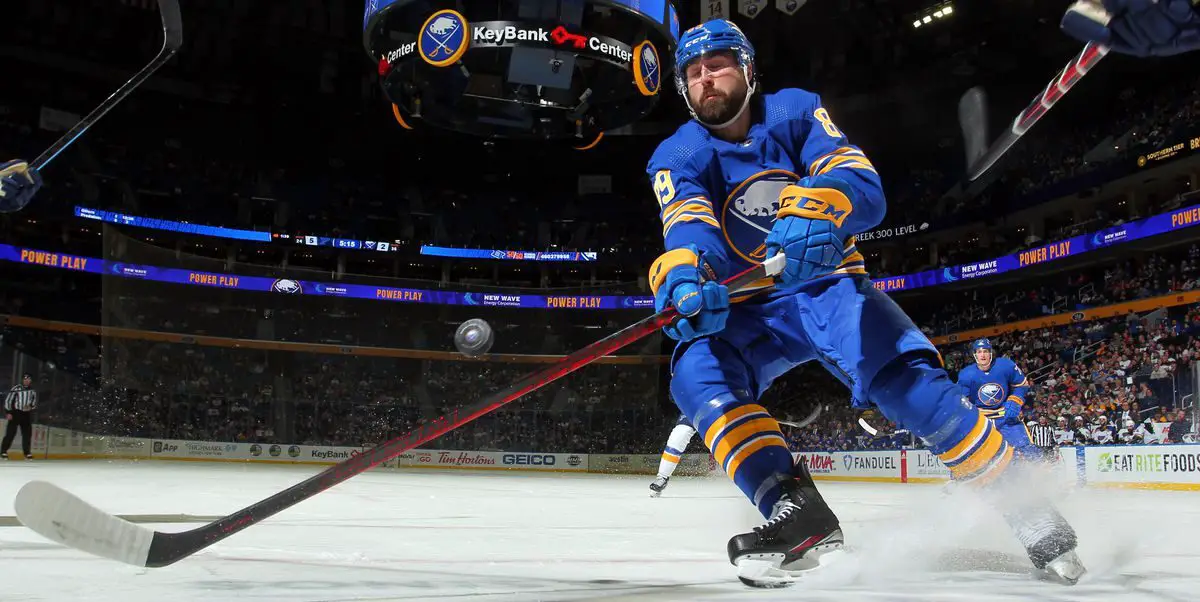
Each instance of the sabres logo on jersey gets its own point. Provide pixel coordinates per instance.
(749, 212)
(990, 394)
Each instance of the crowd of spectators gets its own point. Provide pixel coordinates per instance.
(1125, 279)
(1095, 376)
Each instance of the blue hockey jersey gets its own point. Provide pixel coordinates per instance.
(989, 390)
(723, 196)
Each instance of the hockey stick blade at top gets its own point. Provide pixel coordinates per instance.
(812, 416)
(1050, 95)
(172, 24)
(60, 516)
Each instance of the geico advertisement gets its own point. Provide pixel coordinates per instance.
(1144, 464)
(437, 458)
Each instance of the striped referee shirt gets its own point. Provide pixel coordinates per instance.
(20, 398)
(1042, 435)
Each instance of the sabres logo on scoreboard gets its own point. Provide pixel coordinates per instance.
(287, 287)
(647, 71)
(444, 38)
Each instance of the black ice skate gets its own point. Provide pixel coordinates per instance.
(657, 487)
(1050, 542)
(4, 456)
(801, 530)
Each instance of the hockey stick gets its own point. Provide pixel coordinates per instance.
(172, 25)
(807, 421)
(972, 115)
(60, 516)
(1054, 91)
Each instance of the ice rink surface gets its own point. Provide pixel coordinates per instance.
(485, 536)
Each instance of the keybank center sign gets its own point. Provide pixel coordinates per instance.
(507, 33)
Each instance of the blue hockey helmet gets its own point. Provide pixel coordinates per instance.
(981, 344)
(713, 36)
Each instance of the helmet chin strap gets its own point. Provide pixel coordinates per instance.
(745, 103)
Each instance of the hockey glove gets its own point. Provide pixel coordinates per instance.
(1012, 413)
(18, 184)
(681, 279)
(808, 228)
(1137, 27)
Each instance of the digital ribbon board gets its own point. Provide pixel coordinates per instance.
(1116, 235)
(125, 219)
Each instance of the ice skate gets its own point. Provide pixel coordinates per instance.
(801, 530)
(1050, 542)
(1066, 569)
(659, 484)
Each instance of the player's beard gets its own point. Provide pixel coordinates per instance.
(720, 108)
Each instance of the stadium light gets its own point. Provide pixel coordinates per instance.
(933, 13)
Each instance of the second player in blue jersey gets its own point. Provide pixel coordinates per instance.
(751, 176)
(998, 387)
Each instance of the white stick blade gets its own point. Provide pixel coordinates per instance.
(60, 516)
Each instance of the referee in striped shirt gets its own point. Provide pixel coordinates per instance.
(18, 408)
(1042, 437)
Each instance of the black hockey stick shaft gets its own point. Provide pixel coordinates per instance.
(1050, 95)
(172, 25)
(168, 548)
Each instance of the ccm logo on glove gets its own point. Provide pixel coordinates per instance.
(825, 204)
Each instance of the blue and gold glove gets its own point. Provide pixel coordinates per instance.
(1012, 412)
(808, 228)
(680, 279)
(1136, 27)
(18, 184)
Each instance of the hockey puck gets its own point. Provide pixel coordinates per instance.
(474, 337)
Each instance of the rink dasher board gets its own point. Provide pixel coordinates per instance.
(1163, 467)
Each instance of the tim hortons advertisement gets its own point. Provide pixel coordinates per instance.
(488, 460)
(125, 447)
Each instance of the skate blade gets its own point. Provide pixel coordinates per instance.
(1066, 569)
(763, 570)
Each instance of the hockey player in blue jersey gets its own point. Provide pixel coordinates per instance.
(754, 175)
(998, 387)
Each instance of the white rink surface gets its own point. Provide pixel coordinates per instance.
(484, 536)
